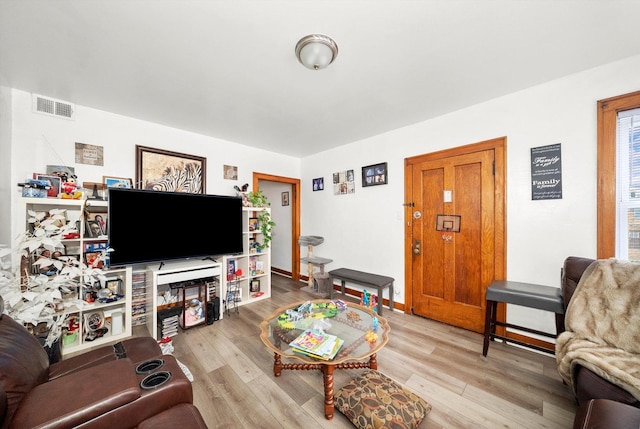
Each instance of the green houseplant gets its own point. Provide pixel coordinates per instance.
(43, 285)
(258, 199)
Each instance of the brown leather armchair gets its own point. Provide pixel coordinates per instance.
(589, 385)
(99, 390)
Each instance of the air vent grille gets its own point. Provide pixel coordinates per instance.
(53, 107)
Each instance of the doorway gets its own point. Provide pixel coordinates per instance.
(294, 203)
(447, 272)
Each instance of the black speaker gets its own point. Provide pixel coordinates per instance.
(213, 310)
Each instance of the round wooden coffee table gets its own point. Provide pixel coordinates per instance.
(351, 324)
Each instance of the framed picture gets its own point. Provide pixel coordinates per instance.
(93, 259)
(254, 286)
(375, 174)
(89, 154)
(101, 219)
(230, 172)
(253, 224)
(93, 229)
(114, 285)
(117, 182)
(318, 184)
(54, 181)
(285, 198)
(163, 170)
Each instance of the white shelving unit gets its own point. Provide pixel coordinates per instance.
(255, 266)
(117, 314)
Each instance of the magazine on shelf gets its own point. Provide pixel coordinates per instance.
(317, 344)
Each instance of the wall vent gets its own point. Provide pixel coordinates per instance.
(51, 106)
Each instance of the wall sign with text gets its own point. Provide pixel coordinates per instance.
(546, 172)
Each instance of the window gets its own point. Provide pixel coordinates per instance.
(618, 180)
(628, 184)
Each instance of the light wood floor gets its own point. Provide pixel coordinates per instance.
(234, 385)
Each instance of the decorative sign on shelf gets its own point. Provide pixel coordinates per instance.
(546, 172)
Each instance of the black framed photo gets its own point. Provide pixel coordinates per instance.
(93, 229)
(318, 184)
(285, 198)
(254, 286)
(376, 174)
(114, 285)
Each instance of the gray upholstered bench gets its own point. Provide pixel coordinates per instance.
(525, 294)
(380, 283)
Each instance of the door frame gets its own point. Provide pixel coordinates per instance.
(499, 146)
(295, 215)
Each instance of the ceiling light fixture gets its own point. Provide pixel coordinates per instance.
(316, 51)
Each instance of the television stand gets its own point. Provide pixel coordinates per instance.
(160, 280)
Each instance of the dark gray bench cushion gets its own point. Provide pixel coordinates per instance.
(525, 294)
(361, 277)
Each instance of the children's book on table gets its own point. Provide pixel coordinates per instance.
(317, 344)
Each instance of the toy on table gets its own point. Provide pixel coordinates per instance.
(369, 300)
(376, 324)
(371, 337)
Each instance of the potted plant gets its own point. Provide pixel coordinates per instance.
(44, 284)
(258, 199)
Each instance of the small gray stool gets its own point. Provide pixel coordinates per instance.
(527, 295)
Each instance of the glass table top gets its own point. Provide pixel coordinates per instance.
(354, 324)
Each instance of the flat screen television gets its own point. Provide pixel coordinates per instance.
(149, 226)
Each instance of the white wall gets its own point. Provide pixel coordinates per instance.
(5, 164)
(38, 140)
(364, 230)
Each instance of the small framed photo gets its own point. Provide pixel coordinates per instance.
(101, 219)
(117, 182)
(285, 198)
(94, 259)
(254, 286)
(318, 184)
(54, 181)
(253, 224)
(114, 285)
(93, 229)
(375, 174)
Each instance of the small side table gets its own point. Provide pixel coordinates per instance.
(527, 295)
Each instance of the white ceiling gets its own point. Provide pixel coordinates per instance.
(226, 68)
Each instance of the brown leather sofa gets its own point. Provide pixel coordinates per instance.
(601, 403)
(99, 389)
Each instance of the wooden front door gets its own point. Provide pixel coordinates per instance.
(448, 272)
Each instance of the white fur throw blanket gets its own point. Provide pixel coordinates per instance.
(603, 325)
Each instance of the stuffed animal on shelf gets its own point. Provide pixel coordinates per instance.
(70, 188)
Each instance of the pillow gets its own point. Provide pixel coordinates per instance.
(373, 400)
